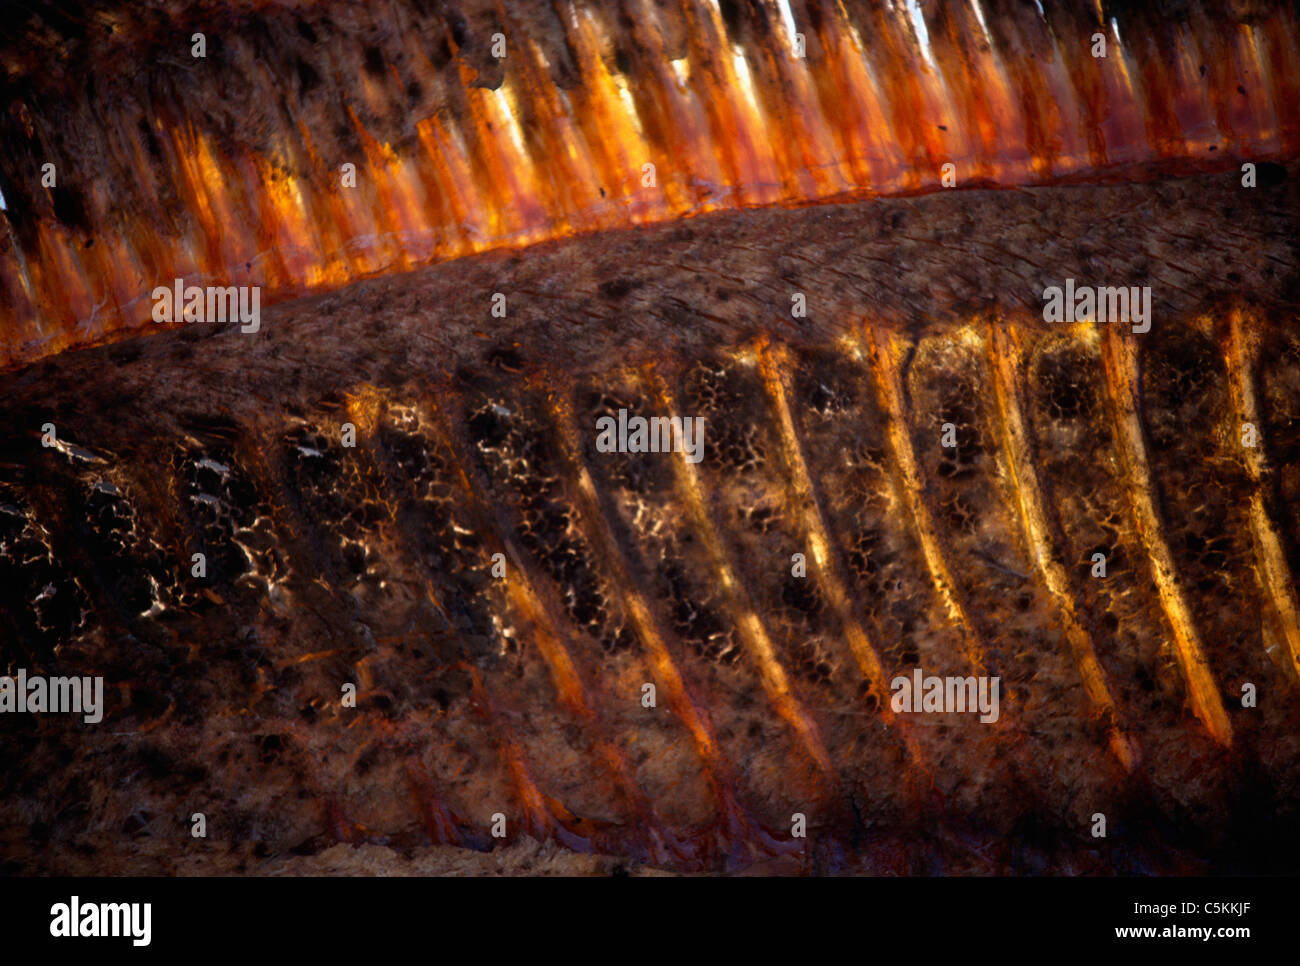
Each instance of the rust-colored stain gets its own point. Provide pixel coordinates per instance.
(228, 169)
(395, 482)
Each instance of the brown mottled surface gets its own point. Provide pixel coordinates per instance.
(227, 167)
(722, 278)
(372, 564)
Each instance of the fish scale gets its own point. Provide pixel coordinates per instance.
(396, 486)
(522, 696)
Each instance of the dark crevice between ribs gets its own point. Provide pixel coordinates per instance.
(328, 564)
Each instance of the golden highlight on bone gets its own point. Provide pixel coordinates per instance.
(1275, 579)
(811, 100)
(1119, 362)
(1005, 362)
(546, 631)
(885, 357)
(651, 635)
(775, 366)
(739, 606)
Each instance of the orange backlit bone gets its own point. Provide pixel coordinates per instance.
(673, 112)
